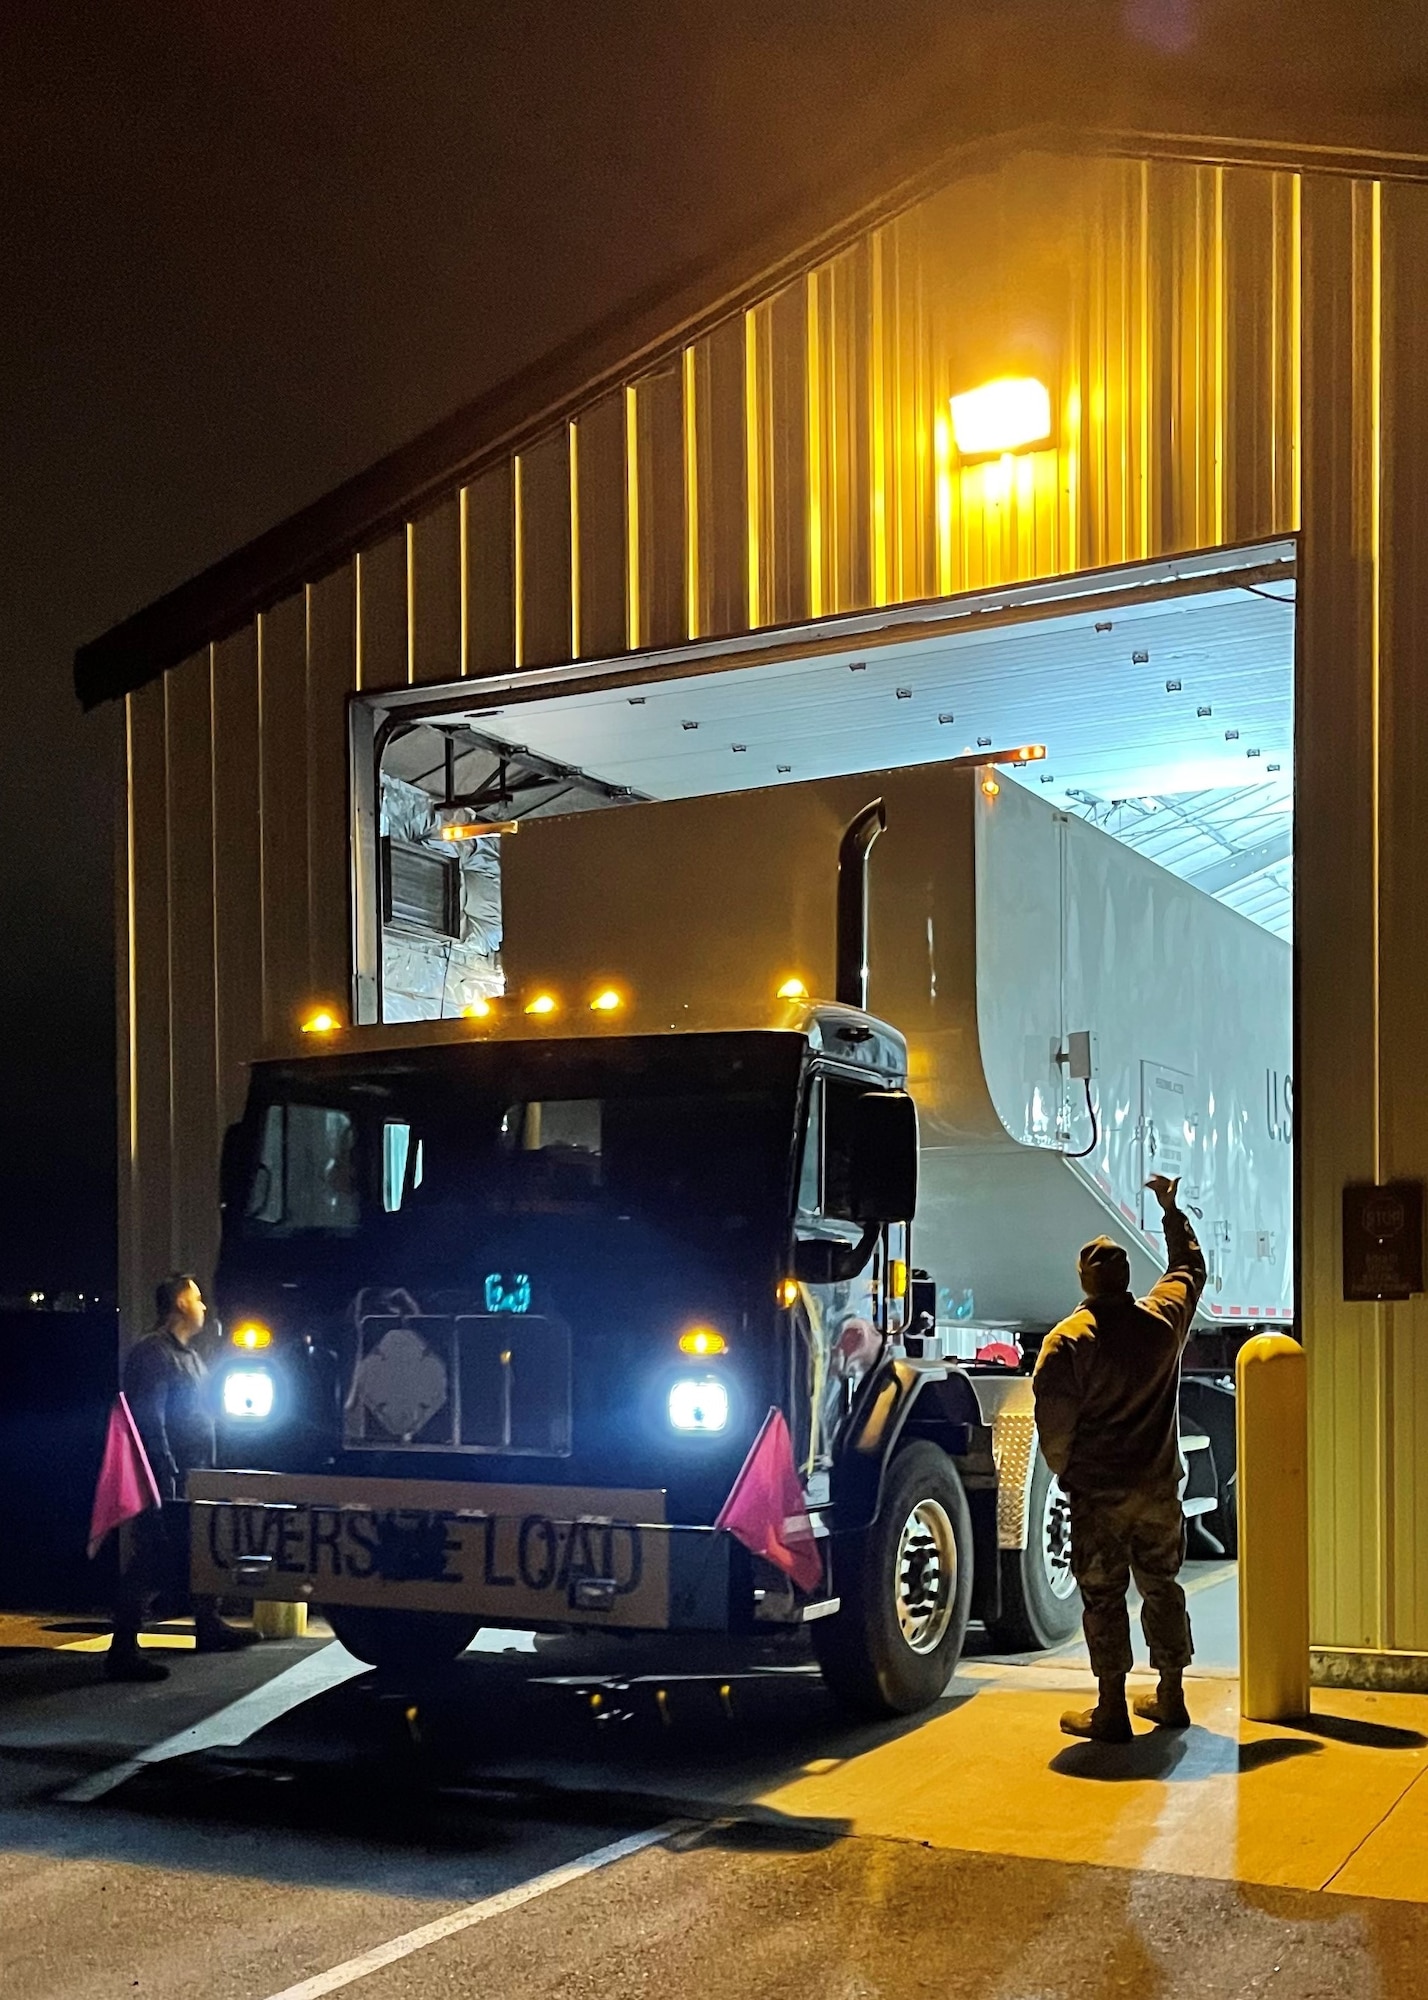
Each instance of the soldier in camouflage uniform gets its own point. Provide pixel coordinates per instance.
(1107, 1387)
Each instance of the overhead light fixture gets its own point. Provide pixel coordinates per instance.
(1009, 414)
(607, 1001)
(543, 1003)
(476, 829)
(793, 989)
(990, 786)
(477, 1010)
(321, 1021)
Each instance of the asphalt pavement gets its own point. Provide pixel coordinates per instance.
(598, 1817)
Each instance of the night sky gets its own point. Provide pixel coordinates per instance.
(244, 250)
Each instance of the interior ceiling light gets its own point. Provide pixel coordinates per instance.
(1006, 415)
(793, 989)
(321, 1021)
(475, 829)
(543, 1003)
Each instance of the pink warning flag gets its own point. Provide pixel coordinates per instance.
(126, 1485)
(766, 1509)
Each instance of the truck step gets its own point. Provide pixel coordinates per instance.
(1205, 1504)
(1193, 1441)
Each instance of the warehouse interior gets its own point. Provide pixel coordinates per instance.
(1166, 717)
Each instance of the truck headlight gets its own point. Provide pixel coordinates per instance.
(698, 1403)
(248, 1394)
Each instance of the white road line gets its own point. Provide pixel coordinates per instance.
(312, 1675)
(380, 1955)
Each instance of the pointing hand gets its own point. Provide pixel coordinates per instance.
(1163, 1189)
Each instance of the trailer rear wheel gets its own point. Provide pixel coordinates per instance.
(401, 1639)
(1041, 1605)
(906, 1585)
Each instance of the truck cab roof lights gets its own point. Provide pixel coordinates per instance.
(542, 1004)
(321, 1021)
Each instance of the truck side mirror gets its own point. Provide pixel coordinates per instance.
(884, 1157)
(230, 1167)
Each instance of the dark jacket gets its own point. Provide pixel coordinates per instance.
(1107, 1380)
(168, 1390)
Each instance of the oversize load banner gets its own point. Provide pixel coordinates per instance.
(507, 1554)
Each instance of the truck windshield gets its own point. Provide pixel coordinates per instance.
(345, 1150)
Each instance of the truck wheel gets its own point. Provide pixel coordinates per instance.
(906, 1585)
(1041, 1605)
(402, 1639)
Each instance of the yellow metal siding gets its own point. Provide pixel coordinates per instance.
(797, 460)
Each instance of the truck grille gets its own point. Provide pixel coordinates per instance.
(461, 1382)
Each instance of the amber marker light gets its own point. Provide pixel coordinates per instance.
(990, 787)
(703, 1341)
(1029, 753)
(544, 1004)
(607, 1001)
(1006, 415)
(477, 1010)
(793, 989)
(787, 1291)
(252, 1335)
(321, 1021)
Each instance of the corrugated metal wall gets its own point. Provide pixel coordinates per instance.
(795, 462)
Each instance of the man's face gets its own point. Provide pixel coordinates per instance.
(190, 1308)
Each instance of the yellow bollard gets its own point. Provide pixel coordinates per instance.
(279, 1621)
(1273, 1494)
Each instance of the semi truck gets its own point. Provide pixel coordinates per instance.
(799, 1100)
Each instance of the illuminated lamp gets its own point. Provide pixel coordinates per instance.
(793, 989)
(703, 1341)
(1009, 414)
(607, 1001)
(252, 1335)
(990, 787)
(787, 1291)
(321, 1021)
(476, 829)
(477, 1010)
(543, 1004)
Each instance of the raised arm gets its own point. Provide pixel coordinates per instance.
(1178, 1293)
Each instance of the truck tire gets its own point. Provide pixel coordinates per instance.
(401, 1639)
(906, 1585)
(1041, 1605)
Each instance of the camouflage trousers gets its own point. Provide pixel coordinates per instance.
(1117, 1536)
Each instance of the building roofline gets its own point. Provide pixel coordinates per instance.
(380, 499)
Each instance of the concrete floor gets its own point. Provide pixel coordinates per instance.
(261, 1820)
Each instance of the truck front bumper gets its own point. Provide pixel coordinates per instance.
(515, 1556)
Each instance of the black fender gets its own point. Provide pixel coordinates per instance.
(936, 1400)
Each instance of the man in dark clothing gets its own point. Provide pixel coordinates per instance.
(1107, 1387)
(166, 1384)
